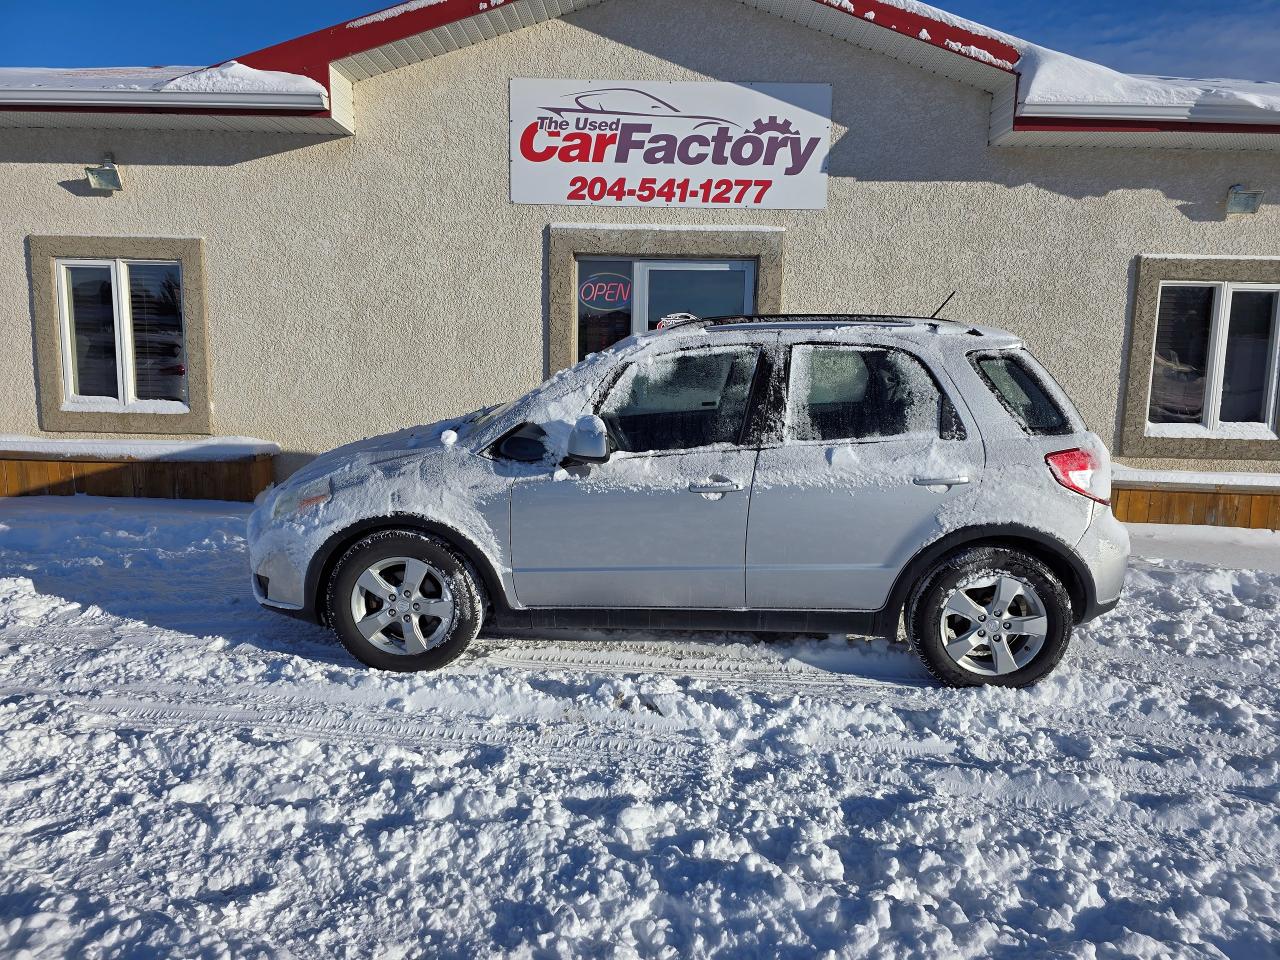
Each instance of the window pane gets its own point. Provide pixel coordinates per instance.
(604, 304)
(1244, 377)
(1183, 322)
(1017, 388)
(93, 332)
(845, 394)
(704, 293)
(159, 350)
(681, 400)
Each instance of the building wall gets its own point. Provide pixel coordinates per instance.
(358, 285)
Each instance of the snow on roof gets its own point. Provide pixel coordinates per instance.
(1051, 79)
(230, 82)
(1054, 88)
(88, 78)
(391, 12)
(235, 77)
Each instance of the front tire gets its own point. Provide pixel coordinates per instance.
(989, 616)
(404, 600)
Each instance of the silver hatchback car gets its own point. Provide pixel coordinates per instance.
(799, 473)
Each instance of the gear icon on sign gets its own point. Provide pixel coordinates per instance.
(774, 125)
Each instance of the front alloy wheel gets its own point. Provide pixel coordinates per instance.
(404, 600)
(403, 605)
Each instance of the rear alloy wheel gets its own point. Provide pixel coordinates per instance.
(403, 600)
(990, 616)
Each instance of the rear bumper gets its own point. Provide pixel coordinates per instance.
(1104, 548)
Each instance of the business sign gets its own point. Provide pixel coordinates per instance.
(652, 144)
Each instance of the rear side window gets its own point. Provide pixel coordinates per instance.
(1019, 389)
(680, 401)
(851, 393)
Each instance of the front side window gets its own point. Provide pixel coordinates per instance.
(680, 401)
(853, 393)
(1215, 363)
(123, 339)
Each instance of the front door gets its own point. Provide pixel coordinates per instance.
(664, 522)
(875, 463)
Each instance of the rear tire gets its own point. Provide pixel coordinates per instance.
(404, 600)
(989, 616)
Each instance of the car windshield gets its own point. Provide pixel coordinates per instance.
(482, 418)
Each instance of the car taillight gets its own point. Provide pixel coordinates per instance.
(1074, 469)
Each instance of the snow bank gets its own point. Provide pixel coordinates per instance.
(206, 449)
(184, 774)
(1223, 546)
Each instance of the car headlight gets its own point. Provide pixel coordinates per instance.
(309, 496)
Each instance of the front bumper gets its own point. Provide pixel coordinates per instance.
(278, 582)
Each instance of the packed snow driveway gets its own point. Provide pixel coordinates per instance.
(182, 774)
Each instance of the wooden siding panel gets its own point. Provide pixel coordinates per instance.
(230, 480)
(1223, 508)
(1260, 511)
(1120, 504)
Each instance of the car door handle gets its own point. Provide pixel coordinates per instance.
(939, 481)
(715, 485)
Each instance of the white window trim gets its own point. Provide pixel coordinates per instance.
(126, 383)
(640, 270)
(1210, 426)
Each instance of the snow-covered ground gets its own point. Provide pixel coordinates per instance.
(182, 774)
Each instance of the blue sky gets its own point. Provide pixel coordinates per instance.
(1233, 38)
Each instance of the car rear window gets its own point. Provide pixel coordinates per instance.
(1019, 389)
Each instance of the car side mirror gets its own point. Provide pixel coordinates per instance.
(588, 441)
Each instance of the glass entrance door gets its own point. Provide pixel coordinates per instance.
(618, 297)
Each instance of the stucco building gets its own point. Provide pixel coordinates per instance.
(422, 211)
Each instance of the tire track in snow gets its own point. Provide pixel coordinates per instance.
(566, 743)
(908, 694)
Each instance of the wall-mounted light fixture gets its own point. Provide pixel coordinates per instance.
(105, 176)
(1242, 201)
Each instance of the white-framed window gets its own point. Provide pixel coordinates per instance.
(619, 296)
(123, 337)
(1216, 367)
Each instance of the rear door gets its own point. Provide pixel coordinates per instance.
(664, 522)
(875, 460)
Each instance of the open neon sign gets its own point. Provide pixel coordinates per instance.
(605, 292)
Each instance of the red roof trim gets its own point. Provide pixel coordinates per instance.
(942, 35)
(311, 54)
(1088, 125)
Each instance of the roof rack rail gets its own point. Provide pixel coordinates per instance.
(879, 319)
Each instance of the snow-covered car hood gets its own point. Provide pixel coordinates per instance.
(355, 457)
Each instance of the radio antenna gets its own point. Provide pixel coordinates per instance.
(943, 305)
